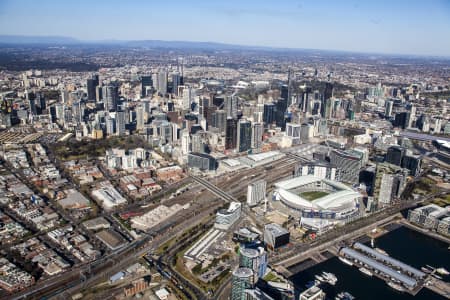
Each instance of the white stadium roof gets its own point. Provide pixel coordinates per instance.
(303, 180)
(343, 197)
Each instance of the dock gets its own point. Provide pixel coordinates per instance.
(381, 271)
(439, 287)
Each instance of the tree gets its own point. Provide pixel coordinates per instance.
(197, 269)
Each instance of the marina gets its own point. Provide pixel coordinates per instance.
(417, 270)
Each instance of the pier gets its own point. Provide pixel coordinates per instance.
(439, 287)
(411, 284)
(405, 277)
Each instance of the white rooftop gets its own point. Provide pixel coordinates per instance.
(343, 195)
(231, 162)
(263, 156)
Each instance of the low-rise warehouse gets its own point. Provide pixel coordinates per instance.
(407, 281)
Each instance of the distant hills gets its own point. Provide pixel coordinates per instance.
(62, 40)
(16, 40)
(23, 39)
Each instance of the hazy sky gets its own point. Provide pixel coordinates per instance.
(380, 26)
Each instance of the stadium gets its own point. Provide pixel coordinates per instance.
(319, 201)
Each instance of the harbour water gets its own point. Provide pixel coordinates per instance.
(405, 244)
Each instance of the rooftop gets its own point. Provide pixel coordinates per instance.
(275, 229)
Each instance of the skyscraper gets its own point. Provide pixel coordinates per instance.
(32, 104)
(40, 100)
(244, 135)
(326, 103)
(188, 97)
(53, 113)
(231, 134)
(98, 93)
(176, 82)
(269, 113)
(203, 105)
(220, 120)
(77, 112)
(91, 86)
(395, 155)
(349, 163)
(257, 134)
(248, 258)
(285, 93)
(197, 144)
(146, 82)
(162, 82)
(401, 120)
(281, 108)
(109, 124)
(289, 93)
(110, 97)
(120, 122)
(389, 106)
(437, 125)
(209, 115)
(140, 118)
(412, 163)
(389, 188)
(294, 131)
(242, 279)
(185, 142)
(59, 111)
(328, 91)
(256, 192)
(231, 106)
(412, 116)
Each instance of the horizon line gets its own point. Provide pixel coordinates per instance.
(122, 41)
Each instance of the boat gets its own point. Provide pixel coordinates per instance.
(348, 296)
(436, 276)
(372, 243)
(365, 271)
(329, 277)
(426, 270)
(442, 271)
(345, 261)
(318, 277)
(395, 286)
(381, 251)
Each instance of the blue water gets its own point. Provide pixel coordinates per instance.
(404, 244)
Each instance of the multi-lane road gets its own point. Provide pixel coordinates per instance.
(228, 188)
(90, 273)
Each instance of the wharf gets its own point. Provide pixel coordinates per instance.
(413, 291)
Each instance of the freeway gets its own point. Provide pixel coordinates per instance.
(86, 275)
(171, 253)
(215, 190)
(162, 237)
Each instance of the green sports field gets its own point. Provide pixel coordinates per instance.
(313, 195)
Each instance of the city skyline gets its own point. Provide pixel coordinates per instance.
(224, 151)
(401, 27)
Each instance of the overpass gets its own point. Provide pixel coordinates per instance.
(214, 189)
